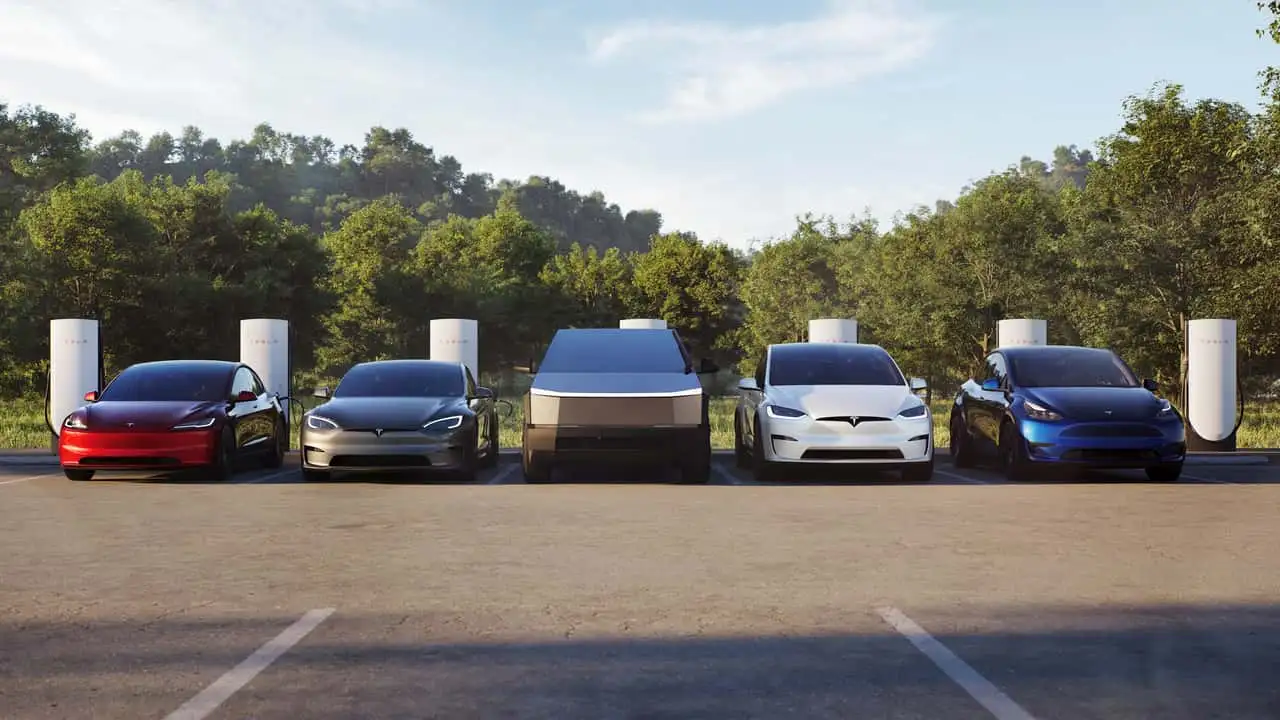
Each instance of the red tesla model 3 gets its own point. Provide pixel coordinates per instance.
(204, 415)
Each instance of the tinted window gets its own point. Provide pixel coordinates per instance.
(614, 351)
(1071, 368)
(243, 382)
(401, 380)
(154, 384)
(833, 364)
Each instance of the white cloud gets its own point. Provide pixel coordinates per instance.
(719, 70)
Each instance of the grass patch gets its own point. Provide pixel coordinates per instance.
(22, 424)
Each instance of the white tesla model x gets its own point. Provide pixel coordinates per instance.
(843, 403)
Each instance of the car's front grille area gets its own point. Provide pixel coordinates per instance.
(1111, 430)
(854, 420)
(1109, 455)
(369, 461)
(134, 461)
(850, 454)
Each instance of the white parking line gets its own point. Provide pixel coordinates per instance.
(502, 475)
(15, 481)
(202, 705)
(962, 478)
(981, 689)
(1197, 478)
(270, 476)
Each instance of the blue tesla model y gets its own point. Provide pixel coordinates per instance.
(1058, 406)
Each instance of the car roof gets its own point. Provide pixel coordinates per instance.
(1034, 350)
(226, 365)
(824, 349)
(410, 362)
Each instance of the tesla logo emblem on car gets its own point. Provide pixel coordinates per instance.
(1108, 412)
(128, 424)
(854, 420)
(378, 432)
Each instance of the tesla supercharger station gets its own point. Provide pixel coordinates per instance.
(643, 324)
(75, 367)
(264, 346)
(833, 330)
(457, 340)
(1021, 331)
(1212, 385)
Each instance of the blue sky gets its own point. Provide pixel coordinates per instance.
(729, 117)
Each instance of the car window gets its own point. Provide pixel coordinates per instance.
(761, 368)
(243, 382)
(1072, 367)
(397, 379)
(471, 382)
(613, 351)
(833, 364)
(257, 387)
(167, 383)
(999, 370)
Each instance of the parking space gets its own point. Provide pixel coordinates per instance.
(627, 595)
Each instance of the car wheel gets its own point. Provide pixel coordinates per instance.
(961, 450)
(1013, 454)
(918, 472)
(491, 455)
(224, 456)
(1164, 473)
(761, 469)
(78, 475)
(275, 458)
(741, 456)
(470, 464)
(309, 475)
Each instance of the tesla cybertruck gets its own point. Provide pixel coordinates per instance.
(605, 395)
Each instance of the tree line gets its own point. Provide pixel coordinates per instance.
(169, 242)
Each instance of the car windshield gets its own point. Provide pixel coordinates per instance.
(614, 351)
(401, 380)
(165, 384)
(832, 364)
(1071, 368)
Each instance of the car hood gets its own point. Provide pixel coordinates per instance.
(1097, 403)
(596, 384)
(398, 413)
(146, 416)
(843, 400)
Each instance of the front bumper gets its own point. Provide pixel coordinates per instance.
(89, 450)
(618, 444)
(1115, 444)
(890, 443)
(362, 451)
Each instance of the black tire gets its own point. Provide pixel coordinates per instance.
(762, 470)
(490, 459)
(275, 457)
(960, 444)
(697, 470)
(224, 453)
(309, 475)
(1013, 454)
(918, 472)
(470, 465)
(78, 475)
(741, 455)
(1164, 473)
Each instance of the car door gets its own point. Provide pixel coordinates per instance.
(751, 399)
(483, 408)
(270, 415)
(990, 405)
(248, 416)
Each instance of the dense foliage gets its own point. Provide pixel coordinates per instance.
(171, 240)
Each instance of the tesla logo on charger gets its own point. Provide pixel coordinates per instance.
(76, 342)
(455, 342)
(264, 342)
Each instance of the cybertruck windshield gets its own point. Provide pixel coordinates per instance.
(614, 351)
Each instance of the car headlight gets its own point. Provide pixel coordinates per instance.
(452, 422)
(196, 424)
(915, 411)
(1036, 411)
(75, 423)
(1166, 409)
(318, 422)
(784, 413)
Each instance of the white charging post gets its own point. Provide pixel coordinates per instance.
(264, 346)
(1212, 385)
(833, 330)
(75, 367)
(457, 340)
(643, 324)
(1021, 331)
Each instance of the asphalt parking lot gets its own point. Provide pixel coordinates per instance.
(627, 597)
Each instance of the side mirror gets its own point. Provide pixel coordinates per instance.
(482, 393)
(708, 367)
(1150, 384)
(918, 383)
(246, 396)
(321, 392)
(748, 384)
(91, 396)
(991, 385)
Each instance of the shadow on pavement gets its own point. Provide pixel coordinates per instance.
(1173, 662)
